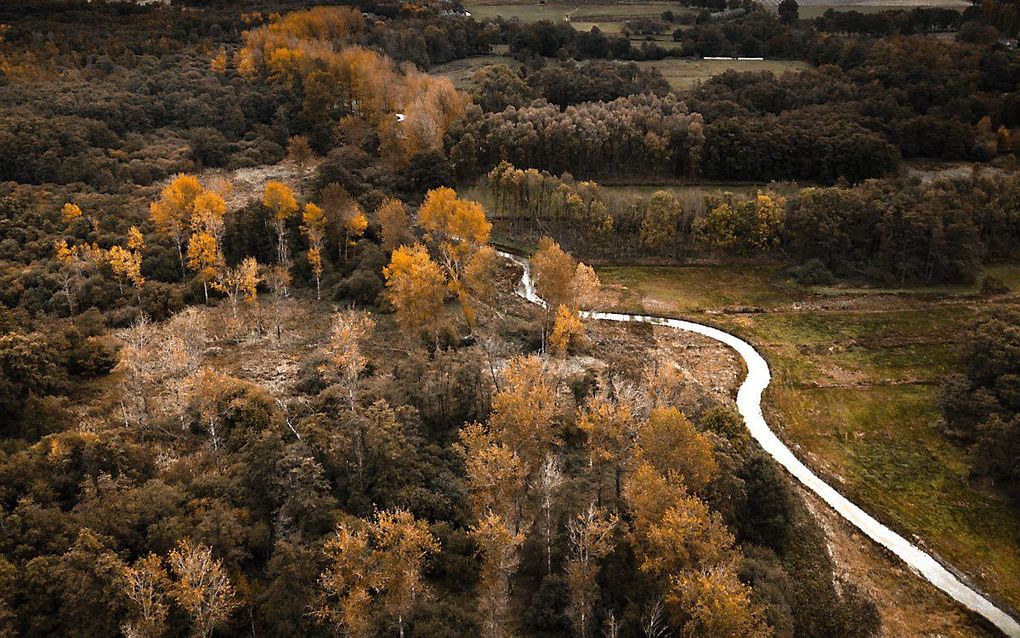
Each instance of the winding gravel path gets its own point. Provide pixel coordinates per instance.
(749, 405)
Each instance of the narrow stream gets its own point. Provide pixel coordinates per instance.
(749, 406)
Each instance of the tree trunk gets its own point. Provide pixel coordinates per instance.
(180, 256)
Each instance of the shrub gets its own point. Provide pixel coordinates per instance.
(812, 273)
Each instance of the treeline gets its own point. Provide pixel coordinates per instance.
(563, 83)
(813, 145)
(891, 231)
(821, 125)
(134, 107)
(239, 108)
(656, 136)
(831, 98)
(641, 134)
(980, 406)
(130, 117)
(310, 56)
(919, 20)
(1001, 14)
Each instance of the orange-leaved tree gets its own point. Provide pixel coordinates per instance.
(374, 570)
(459, 231)
(416, 288)
(201, 587)
(314, 228)
(392, 216)
(173, 210)
(279, 199)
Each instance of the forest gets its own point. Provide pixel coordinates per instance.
(263, 370)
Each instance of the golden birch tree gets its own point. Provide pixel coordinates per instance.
(172, 211)
(314, 229)
(346, 358)
(499, 547)
(279, 199)
(201, 587)
(591, 539)
(146, 586)
(416, 288)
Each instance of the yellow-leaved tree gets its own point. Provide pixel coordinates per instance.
(74, 261)
(685, 546)
(70, 212)
(354, 228)
(201, 587)
(146, 586)
(219, 62)
(374, 570)
(567, 286)
(173, 210)
(659, 225)
(669, 442)
(314, 229)
(610, 424)
(127, 265)
(205, 258)
(713, 602)
(499, 547)
(279, 199)
(416, 288)
(567, 331)
(346, 359)
(239, 282)
(496, 475)
(591, 539)
(459, 231)
(345, 587)
(524, 410)
(403, 544)
(396, 226)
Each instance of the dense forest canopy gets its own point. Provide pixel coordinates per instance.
(262, 370)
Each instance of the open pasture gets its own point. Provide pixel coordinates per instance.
(856, 377)
(607, 17)
(682, 73)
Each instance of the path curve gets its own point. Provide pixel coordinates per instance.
(749, 406)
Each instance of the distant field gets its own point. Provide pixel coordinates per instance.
(607, 17)
(683, 74)
(680, 73)
(460, 71)
(812, 9)
(856, 374)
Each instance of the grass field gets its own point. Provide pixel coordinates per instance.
(607, 17)
(812, 9)
(679, 72)
(855, 378)
(683, 74)
(460, 71)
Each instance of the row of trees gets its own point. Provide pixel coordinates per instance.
(813, 126)
(918, 20)
(893, 231)
(927, 101)
(563, 83)
(642, 134)
(980, 405)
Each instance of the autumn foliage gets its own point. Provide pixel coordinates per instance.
(300, 52)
